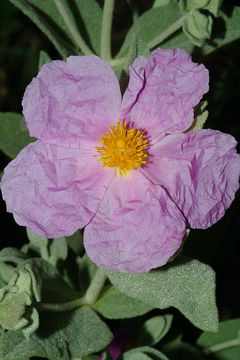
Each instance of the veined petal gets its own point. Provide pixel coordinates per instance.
(200, 170)
(136, 228)
(163, 91)
(78, 97)
(52, 189)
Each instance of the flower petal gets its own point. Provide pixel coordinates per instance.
(78, 97)
(54, 190)
(200, 170)
(136, 228)
(162, 92)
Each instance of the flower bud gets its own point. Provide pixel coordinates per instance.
(197, 26)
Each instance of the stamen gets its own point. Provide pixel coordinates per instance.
(124, 149)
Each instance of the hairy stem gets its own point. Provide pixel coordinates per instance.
(106, 30)
(223, 346)
(165, 34)
(117, 62)
(71, 305)
(96, 286)
(72, 28)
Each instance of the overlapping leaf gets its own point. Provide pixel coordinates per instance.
(86, 16)
(152, 23)
(116, 305)
(64, 336)
(13, 133)
(186, 284)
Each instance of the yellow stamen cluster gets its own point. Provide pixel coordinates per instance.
(123, 148)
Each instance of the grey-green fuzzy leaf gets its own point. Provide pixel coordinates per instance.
(153, 329)
(152, 23)
(149, 352)
(226, 29)
(64, 336)
(43, 59)
(116, 305)
(45, 15)
(12, 127)
(186, 284)
(86, 16)
(11, 254)
(226, 343)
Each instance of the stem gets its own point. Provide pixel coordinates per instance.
(106, 29)
(116, 62)
(44, 253)
(89, 298)
(96, 286)
(222, 346)
(154, 42)
(165, 34)
(61, 306)
(72, 28)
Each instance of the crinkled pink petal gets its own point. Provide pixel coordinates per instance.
(162, 92)
(79, 97)
(136, 228)
(54, 190)
(200, 170)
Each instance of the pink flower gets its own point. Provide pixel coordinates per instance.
(134, 184)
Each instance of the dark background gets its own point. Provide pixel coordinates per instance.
(20, 43)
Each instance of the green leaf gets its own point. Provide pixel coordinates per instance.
(200, 116)
(2, 282)
(38, 244)
(211, 5)
(86, 16)
(153, 330)
(149, 352)
(58, 250)
(16, 301)
(158, 3)
(53, 288)
(75, 241)
(6, 272)
(184, 351)
(116, 305)
(87, 271)
(91, 357)
(226, 343)
(46, 16)
(136, 48)
(106, 355)
(26, 278)
(11, 254)
(152, 23)
(64, 336)
(134, 9)
(226, 28)
(12, 309)
(13, 133)
(43, 59)
(186, 284)
(136, 356)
